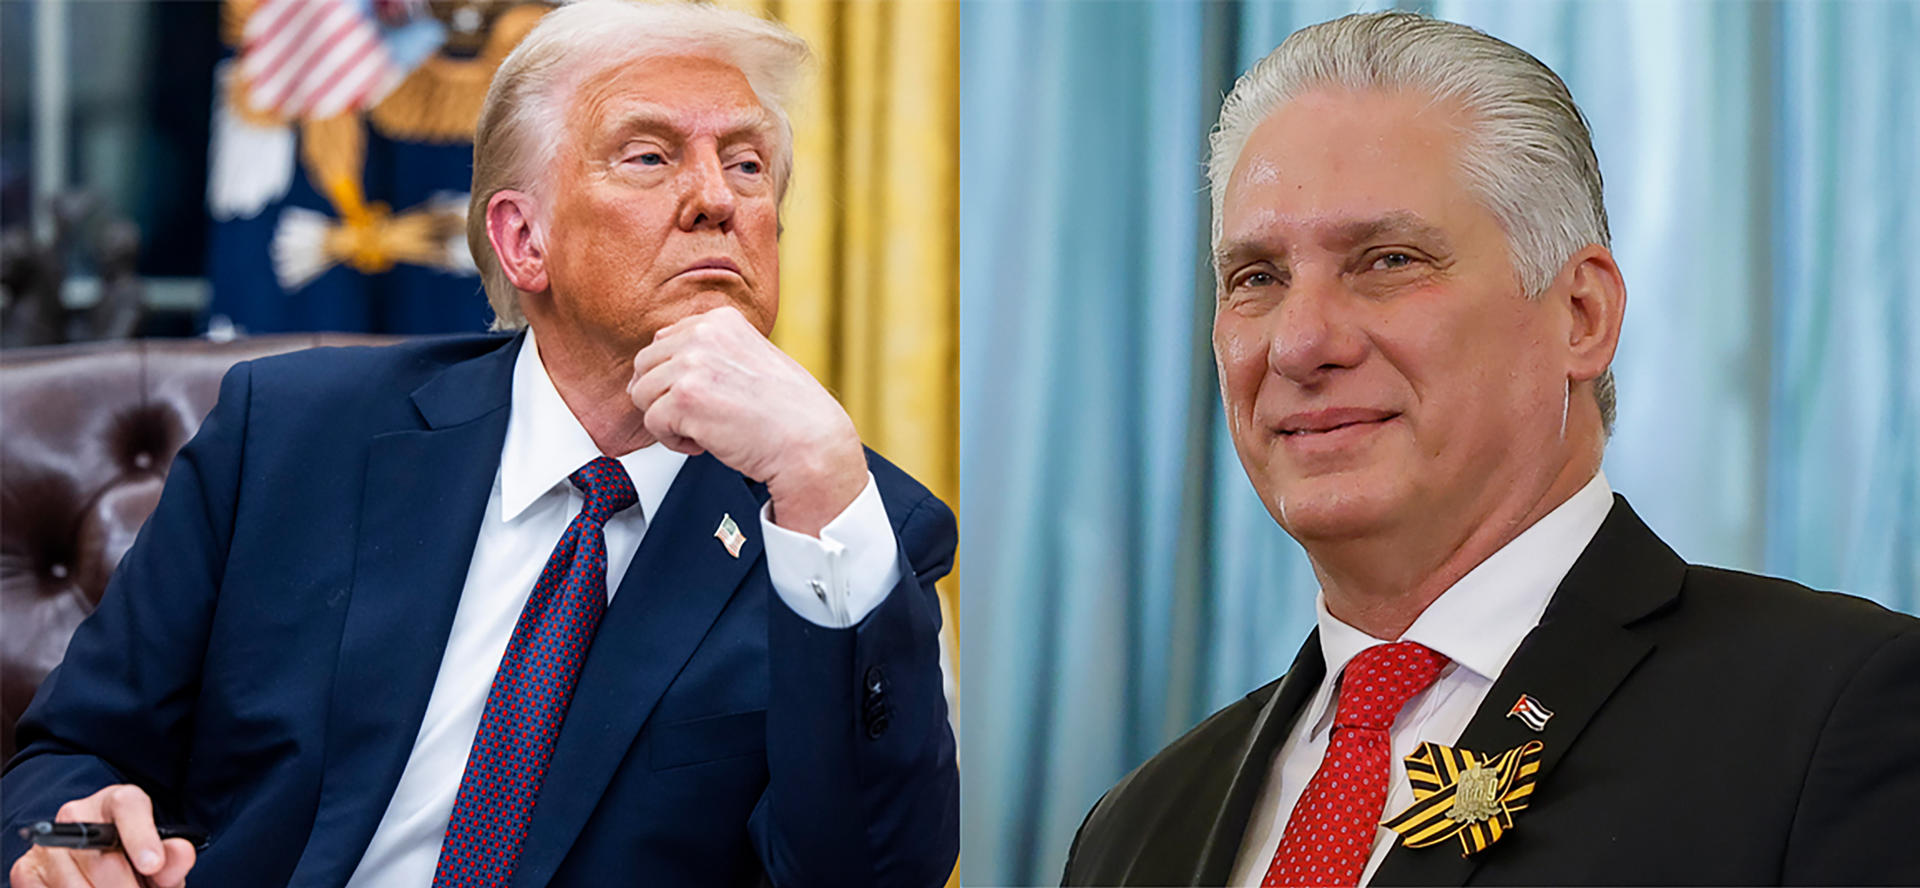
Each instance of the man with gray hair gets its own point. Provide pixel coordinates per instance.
(617, 596)
(1512, 679)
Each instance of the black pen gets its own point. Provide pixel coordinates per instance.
(99, 836)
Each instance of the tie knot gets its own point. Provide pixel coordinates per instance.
(1381, 679)
(607, 488)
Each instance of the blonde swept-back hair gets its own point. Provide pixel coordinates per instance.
(1528, 153)
(522, 121)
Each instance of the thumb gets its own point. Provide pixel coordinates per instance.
(180, 859)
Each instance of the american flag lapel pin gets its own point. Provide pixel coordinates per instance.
(729, 535)
(1529, 711)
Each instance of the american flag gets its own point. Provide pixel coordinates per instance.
(312, 59)
(1530, 711)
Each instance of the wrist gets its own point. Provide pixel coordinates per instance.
(808, 496)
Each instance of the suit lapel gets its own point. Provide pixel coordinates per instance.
(421, 507)
(1584, 647)
(1214, 863)
(680, 581)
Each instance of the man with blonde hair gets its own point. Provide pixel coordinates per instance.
(1512, 679)
(616, 596)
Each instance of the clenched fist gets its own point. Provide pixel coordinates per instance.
(711, 382)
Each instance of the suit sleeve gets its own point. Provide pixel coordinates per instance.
(863, 788)
(839, 577)
(1855, 822)
(119, 707)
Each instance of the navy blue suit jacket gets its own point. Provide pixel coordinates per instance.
(262, 659)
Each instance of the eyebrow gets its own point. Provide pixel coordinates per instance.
(1340, 234)
(1405, 224)
(648, 118)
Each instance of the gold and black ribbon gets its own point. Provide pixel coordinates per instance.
(1461, 793)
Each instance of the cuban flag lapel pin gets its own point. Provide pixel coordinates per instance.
(1529, 711)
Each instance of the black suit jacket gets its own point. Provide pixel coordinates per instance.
(1710, 727)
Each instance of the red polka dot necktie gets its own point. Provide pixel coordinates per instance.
(530, 692)
(1330, 835)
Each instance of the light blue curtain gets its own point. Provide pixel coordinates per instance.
(1120, 578)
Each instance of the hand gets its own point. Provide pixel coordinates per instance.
(164, 864)
(711, 382)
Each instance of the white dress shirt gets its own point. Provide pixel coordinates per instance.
(833, 581)
(1477, 623)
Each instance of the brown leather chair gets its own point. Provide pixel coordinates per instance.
(87, 433)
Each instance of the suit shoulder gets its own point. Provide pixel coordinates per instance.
(1831, 620)
(360, 370)
(1131, 811)
(1206, 744)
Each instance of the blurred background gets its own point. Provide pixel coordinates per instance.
(1123, 580)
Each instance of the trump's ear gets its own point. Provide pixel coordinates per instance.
(517, 241)
(1596, 300)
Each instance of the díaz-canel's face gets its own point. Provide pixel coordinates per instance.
(664, 202)
(1379, 362)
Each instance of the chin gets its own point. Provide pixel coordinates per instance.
(708, 298)
(1343, 506)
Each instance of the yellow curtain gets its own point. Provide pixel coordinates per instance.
(869, 261)
(869, 281)
(869, 258)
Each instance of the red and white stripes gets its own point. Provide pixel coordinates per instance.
(314, 58)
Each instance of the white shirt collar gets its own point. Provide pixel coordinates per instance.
(1480, 620)
(545, 443)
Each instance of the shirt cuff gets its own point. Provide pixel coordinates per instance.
(840, 577)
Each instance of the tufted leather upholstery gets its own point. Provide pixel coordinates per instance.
(87, 433)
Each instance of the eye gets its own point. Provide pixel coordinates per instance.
(1392, 260)
(750, 167)
(651, 158)
(1255, 278)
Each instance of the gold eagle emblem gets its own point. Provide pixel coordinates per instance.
(1461, 793)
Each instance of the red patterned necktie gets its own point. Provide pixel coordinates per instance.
(1330, 835)
(531, 690)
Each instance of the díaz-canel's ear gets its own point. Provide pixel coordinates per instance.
(1596, 298)
(517, 239)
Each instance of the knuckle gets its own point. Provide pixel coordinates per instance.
(72, 811)
(658, 412)
(693, 395)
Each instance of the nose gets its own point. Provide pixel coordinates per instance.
(1315, 333)
(707, 200)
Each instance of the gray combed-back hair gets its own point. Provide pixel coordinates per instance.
(1528, 153)
(522, 121)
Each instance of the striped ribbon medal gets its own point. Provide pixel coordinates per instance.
(1461, 793)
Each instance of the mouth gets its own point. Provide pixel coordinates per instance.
(713, 266)
(1316, 423)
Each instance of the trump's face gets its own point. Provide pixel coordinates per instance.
(1379, 362)
(663, 200)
